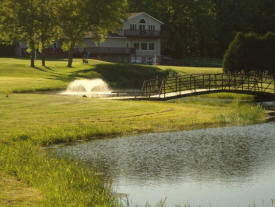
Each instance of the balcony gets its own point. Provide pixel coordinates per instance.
(111, 51)
(138, 33)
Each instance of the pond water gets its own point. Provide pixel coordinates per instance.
(220, 167)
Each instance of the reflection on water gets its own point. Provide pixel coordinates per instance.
(232, 166)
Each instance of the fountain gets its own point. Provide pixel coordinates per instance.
(88, 88)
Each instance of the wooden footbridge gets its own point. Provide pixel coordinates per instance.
(188, 85)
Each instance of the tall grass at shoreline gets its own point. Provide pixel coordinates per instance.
(61, 182)
(243, 114)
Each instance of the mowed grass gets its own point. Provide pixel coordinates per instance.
(184, 70)
(14, 193)
(17, 76)
(50, 119)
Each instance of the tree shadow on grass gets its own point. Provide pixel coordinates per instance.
(117, 76)
(122, 76)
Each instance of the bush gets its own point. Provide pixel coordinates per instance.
(249, 53)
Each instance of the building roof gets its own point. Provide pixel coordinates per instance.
(135, 14)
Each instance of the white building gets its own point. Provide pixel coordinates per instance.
(137, 42)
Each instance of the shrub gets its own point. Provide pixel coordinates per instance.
(249, 53)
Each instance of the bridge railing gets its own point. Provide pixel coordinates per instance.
(180, 84)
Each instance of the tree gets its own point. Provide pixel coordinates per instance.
(29, 21)
(7, 25)
(250, 54)
(48, 30)
(233, 55)
(78, 17)
(20, 22)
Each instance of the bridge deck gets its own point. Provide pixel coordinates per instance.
(180, 94)
(187, 85)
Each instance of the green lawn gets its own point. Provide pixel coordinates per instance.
(48, 119)
(17, 76)
(16, 193)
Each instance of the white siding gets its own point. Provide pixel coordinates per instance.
(148, 20)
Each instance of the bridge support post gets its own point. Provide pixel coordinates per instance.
(203, 86)
(248, 82)
(222, 82)
(195, 84)
(190, 84)
(261, 82)
(164, 88)
(209, 82)
(242, 82)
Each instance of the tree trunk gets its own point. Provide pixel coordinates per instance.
(70, 56)
(43, 54)
(32, 56)
(43, 58)
(70, 60)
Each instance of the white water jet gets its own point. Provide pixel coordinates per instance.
(89, 88)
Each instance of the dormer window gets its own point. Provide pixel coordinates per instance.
(142, 21)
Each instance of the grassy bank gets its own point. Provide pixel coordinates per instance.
(17, 76)
(31, 121)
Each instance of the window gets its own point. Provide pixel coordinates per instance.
(136, 45)
(142, 28)
(142, 21)
(151, 46)
(152, 27)
(55, 45)
(133, 27)
(144, 46)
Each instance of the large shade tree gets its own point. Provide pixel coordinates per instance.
(32, 22)
(7, 26)
(19, 21)
(76, 18)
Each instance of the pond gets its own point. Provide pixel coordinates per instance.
(219, 167)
